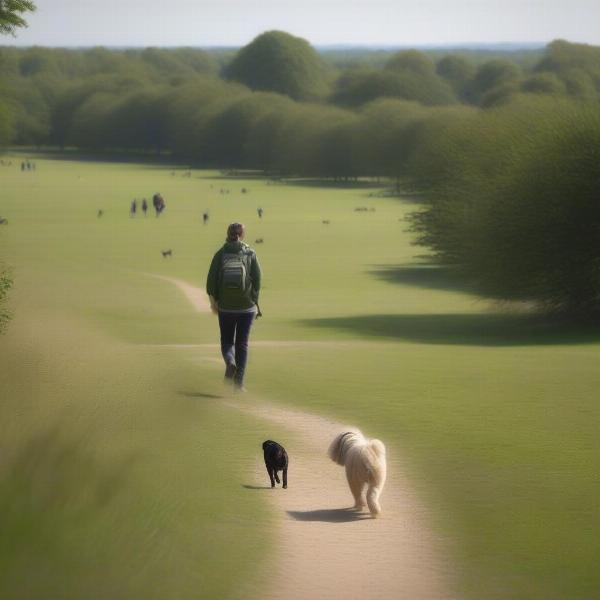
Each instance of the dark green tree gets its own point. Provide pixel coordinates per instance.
(543, 83)
(5, 124)
(190, 109)
(10, 14)
(229, 130)
(276, 61)
(411, 61)
(514, 205)
(457, 71)
(577, 65)
(385, 142)
(490, 75)
(417, 76)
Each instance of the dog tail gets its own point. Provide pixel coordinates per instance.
(378, 448)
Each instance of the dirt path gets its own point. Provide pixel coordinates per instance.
(196, 296)
(326, 551)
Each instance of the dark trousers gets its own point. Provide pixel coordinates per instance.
(235, 331)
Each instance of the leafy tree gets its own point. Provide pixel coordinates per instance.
(297, 142)
(190, 109)
(31, 101)
(502, 94)
(37, 60)
(138, 121)
(457, 71)
(543, 83)
(580, 84)
(577, 65)
(229, 130)
(92, 126)
(72, 96)
(358, 87)
(411, 61)
(5, 124)
(10, 14)
(384, 132)
(490, 75)
(514, 206)
(276, 61)
(263, 143)
(562, 56)
(417, 77)
(336, 148)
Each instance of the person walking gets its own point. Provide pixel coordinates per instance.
(233, 286)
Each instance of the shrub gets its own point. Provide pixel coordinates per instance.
(526, 225)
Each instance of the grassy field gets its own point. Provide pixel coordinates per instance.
(122, 473)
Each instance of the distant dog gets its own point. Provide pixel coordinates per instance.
(166, 253)
(365, 465)
(258, 241)
(276, 459)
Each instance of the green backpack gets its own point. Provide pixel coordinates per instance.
(234, 273)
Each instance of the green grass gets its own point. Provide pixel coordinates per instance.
(495, 413)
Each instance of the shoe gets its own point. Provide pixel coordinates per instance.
(239, 389)
(230, 371)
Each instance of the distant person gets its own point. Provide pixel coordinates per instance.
(100, 212)
(133, 209)
(205, 218)
(144, 206)
(233, 286)
(260, 212)
(22, 166)
(159, 204)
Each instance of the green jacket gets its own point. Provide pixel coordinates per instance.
(253, 275)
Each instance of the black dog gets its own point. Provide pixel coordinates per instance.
(166, 253)
(276, 459)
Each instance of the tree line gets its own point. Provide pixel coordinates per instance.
(505, 154)
(51, 96)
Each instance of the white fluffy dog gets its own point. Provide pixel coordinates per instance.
(365, 465)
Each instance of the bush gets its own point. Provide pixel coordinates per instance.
(527, 226)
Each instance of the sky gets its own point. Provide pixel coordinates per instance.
(322, 22)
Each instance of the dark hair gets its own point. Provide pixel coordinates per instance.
(234, 232)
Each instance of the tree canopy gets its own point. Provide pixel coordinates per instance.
(276, 61)
(10, 14)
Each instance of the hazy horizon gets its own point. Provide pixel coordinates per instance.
(378, 23)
